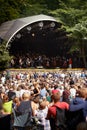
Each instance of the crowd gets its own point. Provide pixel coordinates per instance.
(37, 60)
(41, 93)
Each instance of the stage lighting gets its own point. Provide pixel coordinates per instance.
(41, 24)
(29, 28)
(33, 34)
(18, 35)
(52, 25)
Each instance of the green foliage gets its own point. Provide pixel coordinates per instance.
(35, 9)
(80, 30)
(50, 5)
(79, 34)
(69, 12)
(4, 57)
(11, 9)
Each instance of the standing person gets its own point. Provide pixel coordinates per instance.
(43, 90)
(80, 102)
(41, 115)
(11, 94)
(25, 107)
(52, 113)
(70, 63)
(66, 95)
(77, 110)
(6, 111)
(36, 89)
(7, 105)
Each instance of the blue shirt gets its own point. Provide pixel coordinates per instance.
(77, 104)
(43, 92)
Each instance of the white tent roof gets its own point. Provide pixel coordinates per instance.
(10, 28)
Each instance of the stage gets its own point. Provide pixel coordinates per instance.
(46, 70)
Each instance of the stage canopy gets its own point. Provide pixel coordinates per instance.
(35, 32)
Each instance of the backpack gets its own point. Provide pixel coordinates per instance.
(58, 123)
(60, 119)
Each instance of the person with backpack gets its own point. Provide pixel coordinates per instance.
(78, 110)
(56, 113)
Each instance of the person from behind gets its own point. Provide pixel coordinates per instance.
(41, 115)
(25, 107)
(52, 111)
(25, 104)
(80, 102)
(78, 109)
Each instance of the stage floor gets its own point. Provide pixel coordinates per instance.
(46, 70)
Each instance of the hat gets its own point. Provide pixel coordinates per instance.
(54, 91)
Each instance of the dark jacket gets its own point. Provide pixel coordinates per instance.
(77, 113)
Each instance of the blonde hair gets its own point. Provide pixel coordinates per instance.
(26, 96)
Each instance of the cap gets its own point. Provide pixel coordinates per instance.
(54, 91)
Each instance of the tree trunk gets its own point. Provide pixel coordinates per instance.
(83, 54)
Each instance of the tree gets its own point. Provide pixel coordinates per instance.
(79, 34)
(4, 57)
(11, 9)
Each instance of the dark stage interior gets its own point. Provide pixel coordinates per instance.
(44, 37)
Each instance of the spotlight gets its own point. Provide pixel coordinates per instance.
(33, 34)
(40, 24)
(52, 24)
(29, 28)
(18, 35)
